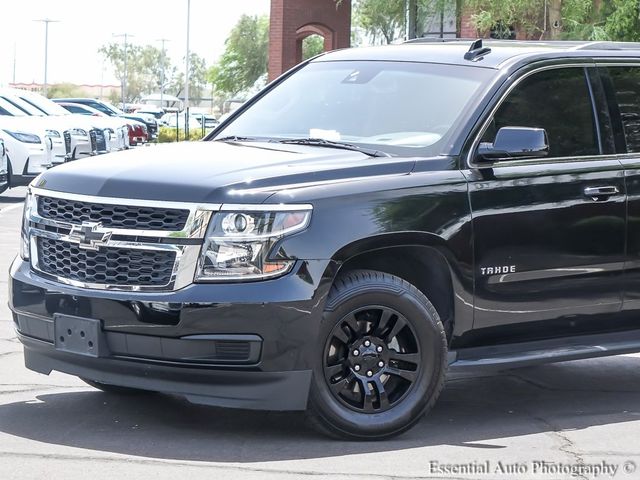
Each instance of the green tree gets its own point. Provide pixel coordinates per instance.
(382, 20)
(65, 90)
(385, 21)
(311, 46)
(245, 56)
(198, 78)
(622, 20)
(144, 66)
(114, 97)
(563, 17)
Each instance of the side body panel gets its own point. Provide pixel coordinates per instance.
(563, 251)
(427, 208)
(549, 257)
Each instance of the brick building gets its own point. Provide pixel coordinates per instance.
(294, 20)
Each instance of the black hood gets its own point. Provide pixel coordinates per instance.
(214, 172)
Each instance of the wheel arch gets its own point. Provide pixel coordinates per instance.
(419, 258)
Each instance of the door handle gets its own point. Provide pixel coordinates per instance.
(597, 193)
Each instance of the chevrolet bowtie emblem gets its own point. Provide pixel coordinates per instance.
(89, 235)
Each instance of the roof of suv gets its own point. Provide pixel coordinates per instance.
(452, 51)
(76, 99)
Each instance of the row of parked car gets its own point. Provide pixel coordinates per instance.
(37, 133)
(177, 119)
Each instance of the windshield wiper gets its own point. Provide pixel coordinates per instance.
(235, 138)
(321, 142)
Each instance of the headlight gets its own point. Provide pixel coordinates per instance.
(29, 206)
(24, 137)
(78, 132)
(53, 133)
(239, 243)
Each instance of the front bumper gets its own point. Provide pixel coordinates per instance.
(59, 152)
(80, 147)
(189, 342)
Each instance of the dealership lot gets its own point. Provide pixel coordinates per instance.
(582, 415)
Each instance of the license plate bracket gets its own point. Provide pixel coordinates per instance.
(82, 336)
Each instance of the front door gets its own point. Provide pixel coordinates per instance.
(549, 234)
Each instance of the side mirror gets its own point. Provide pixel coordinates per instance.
(516, 142)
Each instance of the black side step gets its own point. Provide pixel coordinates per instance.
(546, 351)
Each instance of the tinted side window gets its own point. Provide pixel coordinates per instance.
(557, 100)
(100, 107)
(76, 109)
(626, 85)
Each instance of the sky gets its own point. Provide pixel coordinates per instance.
(85, 25)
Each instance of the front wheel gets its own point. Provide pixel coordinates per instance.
(381, 361)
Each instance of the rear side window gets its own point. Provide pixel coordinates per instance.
(76, 109)
(557, 100)
(626, 85)
(100, 108)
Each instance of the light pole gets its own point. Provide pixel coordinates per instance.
(46, 22)
(14, 63)
(126, 37)
(186, 75)
(162, 64)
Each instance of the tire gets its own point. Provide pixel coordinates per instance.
(115, 389)
(401, 358)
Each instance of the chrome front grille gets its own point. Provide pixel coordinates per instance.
(110, 266)
(67, 142)
(115, 243)
(101, 141)
(113, 216)
(94, 141)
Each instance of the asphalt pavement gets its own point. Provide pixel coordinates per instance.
(581, 418)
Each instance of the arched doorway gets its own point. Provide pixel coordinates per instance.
(292, 21)
(312, 45)
(313, 31)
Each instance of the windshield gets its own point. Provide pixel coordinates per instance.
(113, 108)
(8, 109)
(43, 104)
(27, 108)
(400, 108)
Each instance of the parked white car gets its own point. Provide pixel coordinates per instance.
(120, 140)
(51, 127)
(27, 147)
(68, 138)
(172, 120)
(100, 130)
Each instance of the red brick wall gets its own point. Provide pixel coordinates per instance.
(289, 16)
(467, 29)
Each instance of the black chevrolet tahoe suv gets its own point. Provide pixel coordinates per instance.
(370, 219)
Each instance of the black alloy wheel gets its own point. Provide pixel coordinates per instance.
(381, 358)
(372, 359)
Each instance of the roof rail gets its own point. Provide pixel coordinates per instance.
(604, 45)
(438, 40)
